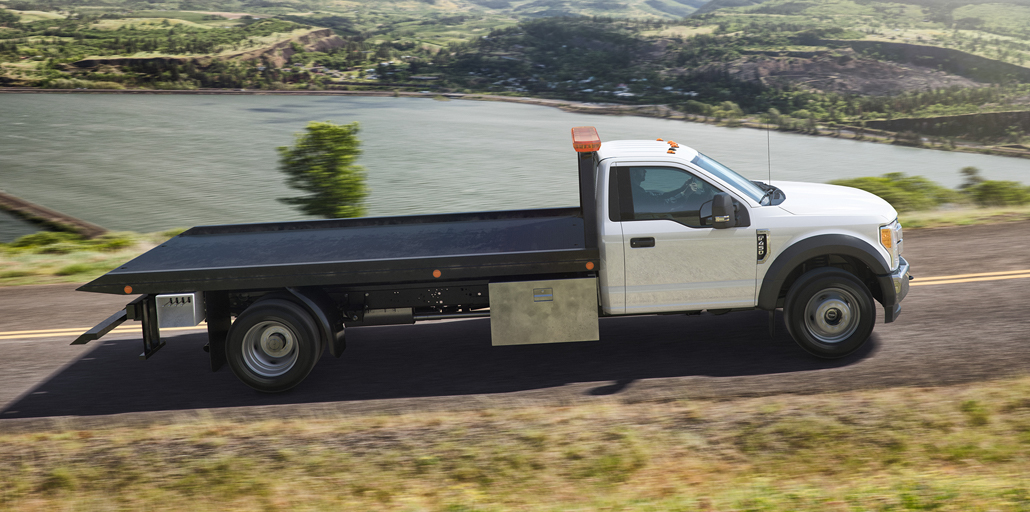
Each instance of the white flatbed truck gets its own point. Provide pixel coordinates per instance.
(661, 229)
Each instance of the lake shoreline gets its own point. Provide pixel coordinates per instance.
(46, 218)
(579, 107)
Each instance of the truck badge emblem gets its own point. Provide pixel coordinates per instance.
(763, 245)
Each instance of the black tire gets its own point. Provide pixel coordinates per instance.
(273, 345)
(829, 312)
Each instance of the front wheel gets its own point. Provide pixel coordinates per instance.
(829, 312)
(273, 345)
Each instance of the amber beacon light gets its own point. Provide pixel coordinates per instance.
(585, 139)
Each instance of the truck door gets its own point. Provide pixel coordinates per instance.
(674, 259)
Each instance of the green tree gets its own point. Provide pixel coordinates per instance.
(321, 163)
(972, 175)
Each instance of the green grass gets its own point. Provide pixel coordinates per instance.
(1006, 17)
(145, 24)
(53, 257)
(28, 16)
(963, 216)
(956, 448)
(195, 17)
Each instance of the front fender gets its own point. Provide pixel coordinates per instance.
(820, 245)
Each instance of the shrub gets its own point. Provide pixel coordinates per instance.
(60, 242)
(905, 193)
(60, 479)
(999, 193)
(697, 107)
(111, 242)
(75, 83)
(106, 85)
(180, 85)
(44, 239)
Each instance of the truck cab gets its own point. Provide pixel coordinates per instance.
(680, 232)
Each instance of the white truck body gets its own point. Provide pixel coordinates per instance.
(661, 229)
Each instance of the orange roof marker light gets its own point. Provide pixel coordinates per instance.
(673, 144)
(659, 140)
(585, 139)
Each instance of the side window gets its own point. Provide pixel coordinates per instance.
(650, 193)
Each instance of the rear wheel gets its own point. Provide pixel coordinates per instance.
(829, 312)
(273, 345)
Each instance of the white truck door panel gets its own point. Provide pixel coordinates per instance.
(688, 268)
(674, 259)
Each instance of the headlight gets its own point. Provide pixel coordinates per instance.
(890, 239)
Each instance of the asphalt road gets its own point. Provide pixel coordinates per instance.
(947, 333)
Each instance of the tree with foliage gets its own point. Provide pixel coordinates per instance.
(321, 163)
(972, 175)
(9, 19)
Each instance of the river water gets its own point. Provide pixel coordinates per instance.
(148, 162)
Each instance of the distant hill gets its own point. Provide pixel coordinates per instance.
(806, 61)
(715, 5)
(963, 14)
(380, 9)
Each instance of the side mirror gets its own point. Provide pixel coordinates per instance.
(724, 215)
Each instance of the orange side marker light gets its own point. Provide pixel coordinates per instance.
(128, 289)
(590, 265)
(436, 273)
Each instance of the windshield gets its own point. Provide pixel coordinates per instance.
(726, 174)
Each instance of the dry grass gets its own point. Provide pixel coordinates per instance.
(958, 448)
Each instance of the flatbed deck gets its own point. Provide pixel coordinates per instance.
(364, 251)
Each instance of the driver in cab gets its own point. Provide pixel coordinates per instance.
(651, 201)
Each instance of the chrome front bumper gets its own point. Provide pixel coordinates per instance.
(899, 278)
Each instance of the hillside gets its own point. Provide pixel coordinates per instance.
(798, 63)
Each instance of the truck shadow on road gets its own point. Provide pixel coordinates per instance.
(428, 360)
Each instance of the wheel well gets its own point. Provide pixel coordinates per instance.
(844, 262)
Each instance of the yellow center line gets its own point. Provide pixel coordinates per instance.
(84, 329)
(982, 274)
(53, 333)
(971, 280)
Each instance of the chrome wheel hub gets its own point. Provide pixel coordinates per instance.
(270, 349)
(831, 315)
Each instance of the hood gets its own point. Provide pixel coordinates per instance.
(820, 199)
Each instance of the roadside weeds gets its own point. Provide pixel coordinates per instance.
(950, 448)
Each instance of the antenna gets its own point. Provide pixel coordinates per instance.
(768, 150)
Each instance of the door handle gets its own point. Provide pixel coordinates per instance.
(641, 242)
